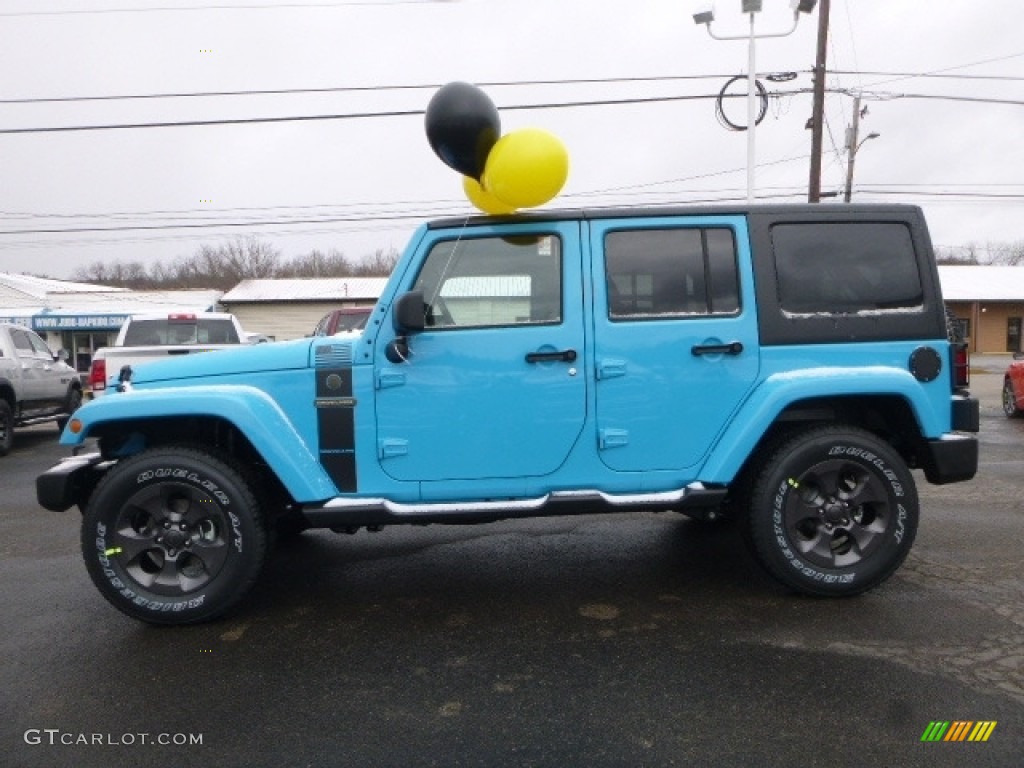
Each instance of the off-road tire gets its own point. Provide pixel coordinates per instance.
(833, 511)
(174, 535)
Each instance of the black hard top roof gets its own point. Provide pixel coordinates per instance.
(790, 210)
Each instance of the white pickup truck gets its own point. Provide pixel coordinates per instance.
(36, 385)
(144, 338)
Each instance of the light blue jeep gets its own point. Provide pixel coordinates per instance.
(784, 366)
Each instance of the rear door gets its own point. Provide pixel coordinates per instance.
(675, 336)
(492, 387)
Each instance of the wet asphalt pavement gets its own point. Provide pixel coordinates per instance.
(632, 640)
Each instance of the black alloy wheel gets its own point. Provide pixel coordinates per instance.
(174, 536)
(833, 511)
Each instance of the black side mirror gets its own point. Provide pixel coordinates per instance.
(410, 315)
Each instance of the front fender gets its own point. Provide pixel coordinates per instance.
(254, 413)
(780, 390)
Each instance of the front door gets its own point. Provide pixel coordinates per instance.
(676, 340)
(494, 387)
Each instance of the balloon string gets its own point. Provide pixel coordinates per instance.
(448, 264)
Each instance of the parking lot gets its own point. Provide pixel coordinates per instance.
(632, 640)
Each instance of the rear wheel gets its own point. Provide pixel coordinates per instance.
(1010, 400)
(833, 511)
(174, 536)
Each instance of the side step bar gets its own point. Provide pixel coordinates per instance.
(344, 512)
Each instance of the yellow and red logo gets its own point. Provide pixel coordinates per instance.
(958, 730)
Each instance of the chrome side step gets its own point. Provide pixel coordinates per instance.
(343, 512)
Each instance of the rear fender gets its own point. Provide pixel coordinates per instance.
(778, 391)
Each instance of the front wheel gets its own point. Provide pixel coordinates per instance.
(6, 428)
(833, 511)
(73, 404)
(173, 535)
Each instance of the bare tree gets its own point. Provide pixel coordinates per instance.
(1006, 254)
(380, 264)
(223, 266)
(956, 254)
(317, 264)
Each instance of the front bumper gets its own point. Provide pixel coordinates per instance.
(70, 482)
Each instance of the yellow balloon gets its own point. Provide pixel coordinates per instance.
(482, 199)
(526, 168)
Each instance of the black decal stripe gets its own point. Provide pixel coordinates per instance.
(336, 427)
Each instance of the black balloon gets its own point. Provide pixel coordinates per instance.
(462, 125)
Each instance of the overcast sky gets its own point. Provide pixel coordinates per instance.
(359, 184)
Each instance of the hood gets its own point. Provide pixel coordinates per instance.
(248, 358)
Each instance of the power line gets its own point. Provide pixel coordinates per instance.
(884, 96)
(241, 7)
(934, 75)
(355, 115)
(992, 60)
(356, 89)
(880, 96)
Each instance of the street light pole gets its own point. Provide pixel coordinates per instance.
(751, 7)
(752, 109)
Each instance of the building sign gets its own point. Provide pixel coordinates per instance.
(26, 321)
(77, 322)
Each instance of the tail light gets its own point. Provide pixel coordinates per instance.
(961, 365)
(98, 375)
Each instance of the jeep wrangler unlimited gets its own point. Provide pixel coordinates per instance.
(785, 365)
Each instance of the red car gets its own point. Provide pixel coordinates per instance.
(1013, 387)
(342, 320)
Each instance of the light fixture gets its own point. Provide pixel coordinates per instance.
(705, 15)
(752, 6)
(803, 6)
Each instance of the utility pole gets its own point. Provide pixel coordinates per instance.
(818, 111)
(853, 145)
(851, 148)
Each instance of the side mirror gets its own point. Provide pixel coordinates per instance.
(410, 316)
(62, 355)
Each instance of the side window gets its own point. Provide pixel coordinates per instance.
(493, 282)
(846, 267)
(671, 272)
(39, 346)
(22, 344)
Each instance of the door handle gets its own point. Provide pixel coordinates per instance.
(564, 356)
(732, 348)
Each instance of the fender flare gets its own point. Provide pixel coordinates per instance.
(780, 390)
(250, 410)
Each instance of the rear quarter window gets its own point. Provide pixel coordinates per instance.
(846, 268)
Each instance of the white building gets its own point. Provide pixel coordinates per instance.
(290, 309)
(82, 317)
